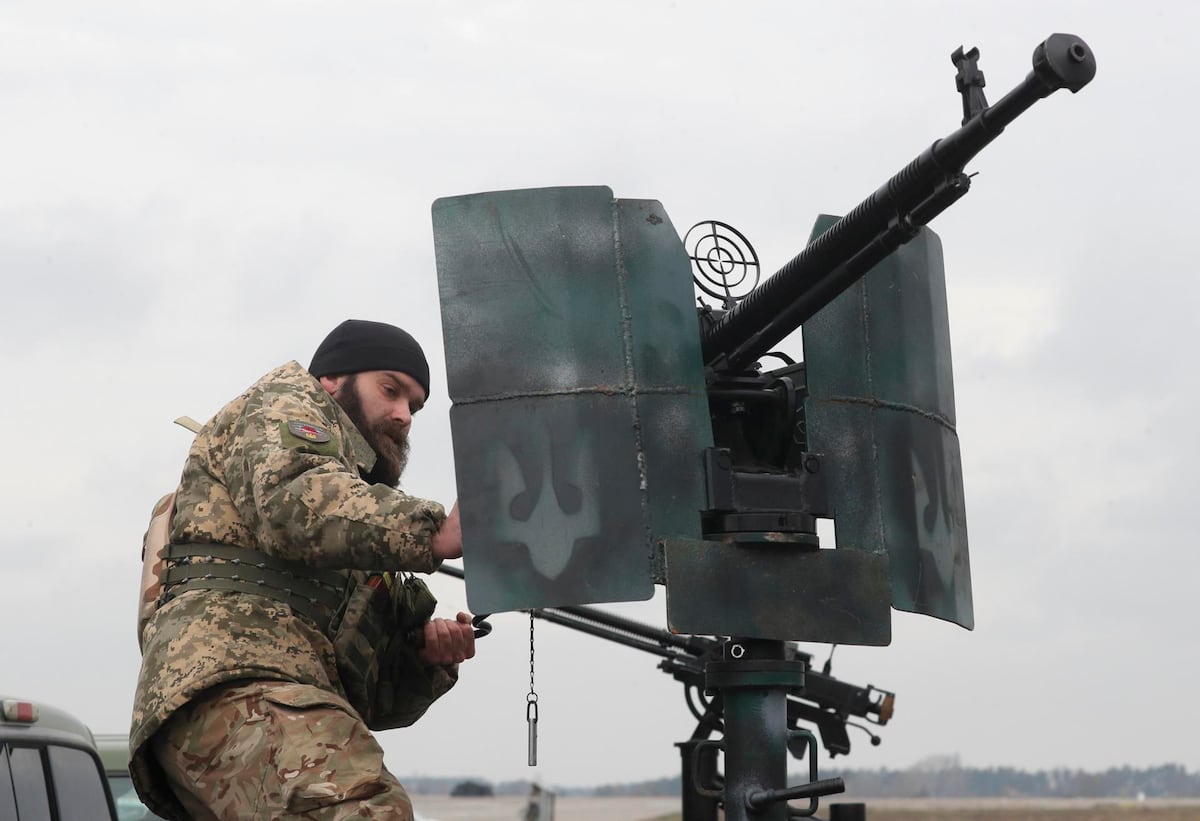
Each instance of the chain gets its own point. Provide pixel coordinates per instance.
(531, 702)
(532, 693)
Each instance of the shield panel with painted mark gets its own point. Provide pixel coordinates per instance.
(881, 408)
(579, 414)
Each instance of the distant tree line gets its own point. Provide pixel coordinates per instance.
(1164, 781)
(474, 785)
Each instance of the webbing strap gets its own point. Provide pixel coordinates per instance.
(267, 581)
(316, 613)
(316, 593)
(235, 554)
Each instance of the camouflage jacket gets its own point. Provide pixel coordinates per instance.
(250, 480)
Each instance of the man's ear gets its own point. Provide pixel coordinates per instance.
(332, 383)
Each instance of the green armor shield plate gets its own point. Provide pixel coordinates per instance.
(580, 415)
(881, 410)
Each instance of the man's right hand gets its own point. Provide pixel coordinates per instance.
(448, 641)
(447, 542)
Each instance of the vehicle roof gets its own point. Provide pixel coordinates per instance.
(53, 724)
(114, 751)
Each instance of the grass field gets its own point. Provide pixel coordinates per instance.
(508, 808)
(1107, 813)
(1098, 812)
(1075, 810)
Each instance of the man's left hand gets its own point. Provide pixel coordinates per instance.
(448, 641)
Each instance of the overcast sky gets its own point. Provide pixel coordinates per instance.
(192, 193)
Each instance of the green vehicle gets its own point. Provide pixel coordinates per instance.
(114, 754)
(49, 767)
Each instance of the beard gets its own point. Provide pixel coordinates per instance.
(389, 441)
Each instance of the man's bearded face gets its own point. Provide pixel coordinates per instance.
(388, 438)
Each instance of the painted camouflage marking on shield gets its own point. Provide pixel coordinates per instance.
(881, 408)
(579, 418)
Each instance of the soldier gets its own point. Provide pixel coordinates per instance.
(283, 633)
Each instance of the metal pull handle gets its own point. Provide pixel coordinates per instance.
(531, 717)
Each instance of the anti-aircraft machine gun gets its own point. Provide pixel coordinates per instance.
(604, 443)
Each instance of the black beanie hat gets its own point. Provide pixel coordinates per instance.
(361, 345)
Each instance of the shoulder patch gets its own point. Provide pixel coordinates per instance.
(308, 431)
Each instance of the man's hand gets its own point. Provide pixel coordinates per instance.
(448, 641)
(447, 542)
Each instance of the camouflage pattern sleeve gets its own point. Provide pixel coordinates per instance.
(407, 686)
(305, 500)
(377, 645)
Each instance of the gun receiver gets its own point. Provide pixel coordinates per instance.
(888, 218)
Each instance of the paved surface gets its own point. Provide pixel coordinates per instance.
(509, 808)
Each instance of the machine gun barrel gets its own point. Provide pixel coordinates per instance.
(887, 219)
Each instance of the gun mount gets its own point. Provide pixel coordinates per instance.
(819, 699)
(822, 700)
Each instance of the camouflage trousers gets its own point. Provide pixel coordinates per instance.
(273, 749)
